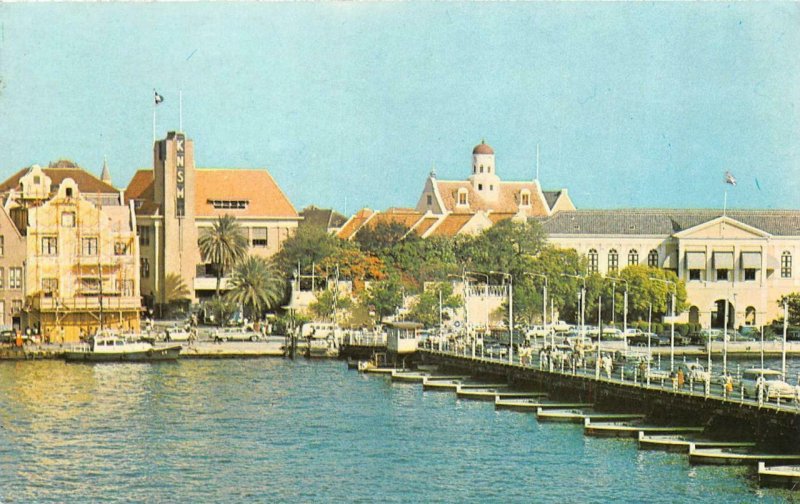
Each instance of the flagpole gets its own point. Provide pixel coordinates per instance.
(537, 162)
(725, 203)
(180, 110)
(154, 115)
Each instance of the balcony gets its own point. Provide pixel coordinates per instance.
(206, 282)
(85, 303)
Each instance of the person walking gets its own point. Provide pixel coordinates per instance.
(681, 378)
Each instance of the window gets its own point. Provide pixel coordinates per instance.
(89, 246)
(633, 257)
(16, 305)
(69, 192)
(68, 219)
(229, 204)
(120, 248)
(722, 274)
(525, 198)
(749, 274)
(592, 261)
(144, 267)
(481, 168)
(37, 179)
(2, 278)
(786, 265)
(49, 286)
(491, 187)
(259, 237)
(144, 235)
(2, 245)
(90, 285)
(652, 258)
(694, 274)
(480, 187)
(430, 200)
(125, 287)
(462, 197)
(14, 278)
(613, 260)
(750, 316)
(49, 245)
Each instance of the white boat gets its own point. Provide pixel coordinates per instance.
(114, 348)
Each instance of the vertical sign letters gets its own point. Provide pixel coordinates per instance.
(180, 177)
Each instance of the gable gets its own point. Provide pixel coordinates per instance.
(722, 228)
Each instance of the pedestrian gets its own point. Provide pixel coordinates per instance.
(728, 386)
(681, 378)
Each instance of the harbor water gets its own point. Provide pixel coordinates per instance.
(272, 430)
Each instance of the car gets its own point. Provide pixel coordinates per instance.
(774, 386)
(693, 371)
(642, 339)
(235, 334)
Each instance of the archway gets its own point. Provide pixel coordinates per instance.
(694, 315)
(718, 314)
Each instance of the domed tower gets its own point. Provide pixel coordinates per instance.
(484, 179)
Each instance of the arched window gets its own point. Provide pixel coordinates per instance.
(694, 315)
(481, 168)
(786, 264)
(750, 316)
(652, 258)
(474, 169)
(633, 257)
(613, 261)
(592, 261)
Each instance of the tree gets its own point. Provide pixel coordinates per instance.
(426, 309)
(355, 265)
(642, 291)
(793, 300)
(381, 238)
(507, 246)
(309, 245)
(257, 285)
(562, 291)
(323, 307)
(384, 297)
(222, 309)
(222, 246)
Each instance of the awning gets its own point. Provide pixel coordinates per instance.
(751, 260)
(696, 260)
(723, 260)
(773, 263)
(671, 261)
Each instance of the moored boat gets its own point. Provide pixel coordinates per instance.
(741, 456)
(113, 348)
(632, 429)
(787, 476)
(679, 443)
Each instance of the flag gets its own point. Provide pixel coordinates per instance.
(158, 98)
(729, 178)
(758, 185)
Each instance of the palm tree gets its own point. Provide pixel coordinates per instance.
(256, 284)
(223, 245)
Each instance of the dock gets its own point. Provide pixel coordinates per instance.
(534, 404)
(492, 394)
(632, 429)
(680, 443)
(575, 415)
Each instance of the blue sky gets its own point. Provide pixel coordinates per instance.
(351, 104)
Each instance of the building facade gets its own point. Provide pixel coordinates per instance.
(176, 201)
(746, 258)
(77, 237)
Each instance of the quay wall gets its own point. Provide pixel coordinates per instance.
(771, 426)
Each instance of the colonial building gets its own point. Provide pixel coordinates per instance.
(175, 201)
(746, 257)
(452, 207)
(77, 237)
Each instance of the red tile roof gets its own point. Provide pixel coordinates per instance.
(425, 225)
(256, 186)
(452, 224)
(507, 200)
(86, 182)
(354, 223)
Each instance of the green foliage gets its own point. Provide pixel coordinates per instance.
(327, 302)
(222, 245)
(222, 309)
(381, 239)
(793, 300)
(426, 309)
(257, 285)
(384, 297)
(507, 246)
(310, 245)
(642, 291)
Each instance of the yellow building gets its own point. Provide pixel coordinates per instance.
(81, 268)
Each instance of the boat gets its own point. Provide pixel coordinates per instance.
(632, 429)
(787, 476)
(679, 443)
(114, 348)
(532, 404)
(731, 456)
(576, 415)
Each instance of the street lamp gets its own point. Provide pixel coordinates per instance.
(510, 313)
(672, 322)
(544, 302)
(582, 299)
(624, 307)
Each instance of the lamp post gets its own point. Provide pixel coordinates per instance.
(486, 291)
(672, 322)
(783, 342)
(544, 301)
(582, 299)
(510, 313)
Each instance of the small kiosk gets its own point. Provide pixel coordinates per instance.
(402, 340)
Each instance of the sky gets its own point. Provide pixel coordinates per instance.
(352, 104)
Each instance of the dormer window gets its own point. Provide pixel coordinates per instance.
(525, 198)
(462, 197)
(229, 204)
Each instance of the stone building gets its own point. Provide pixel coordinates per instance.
(747, 257)
(175, 201)
(77, 236)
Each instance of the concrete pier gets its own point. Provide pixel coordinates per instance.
(772, 426)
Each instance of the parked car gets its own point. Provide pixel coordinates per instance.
(642, 338)
(236, 334)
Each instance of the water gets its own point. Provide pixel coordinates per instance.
(271, 430)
